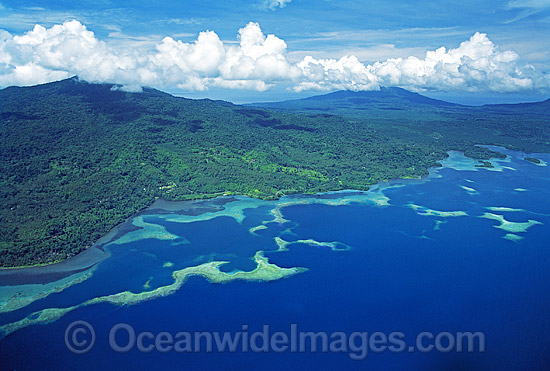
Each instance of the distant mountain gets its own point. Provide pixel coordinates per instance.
(355, 104)
(384, 99)
(540, 108)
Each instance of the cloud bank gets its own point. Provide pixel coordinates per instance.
(257, 62)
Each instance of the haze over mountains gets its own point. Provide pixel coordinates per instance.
(76, 159)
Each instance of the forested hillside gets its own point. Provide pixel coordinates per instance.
(400, 113)
(76, 159)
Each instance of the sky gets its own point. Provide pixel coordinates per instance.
(465, 51)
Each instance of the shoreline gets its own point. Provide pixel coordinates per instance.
(20, 287)
(93, 255)
(40, 274)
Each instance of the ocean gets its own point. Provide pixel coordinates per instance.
(394, 278)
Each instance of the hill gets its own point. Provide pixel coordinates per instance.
(358, 103)
(384, 99)
(397, 112)
(76, 159)
(541, 109)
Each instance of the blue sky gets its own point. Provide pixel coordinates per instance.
(317, 46)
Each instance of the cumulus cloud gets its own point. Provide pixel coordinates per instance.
(257, 62)
(63, 50)
(476, 65)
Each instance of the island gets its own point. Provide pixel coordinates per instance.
(78, 159)
(533, 160)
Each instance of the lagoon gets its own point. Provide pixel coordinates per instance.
(465, 249)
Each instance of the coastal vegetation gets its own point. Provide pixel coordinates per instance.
(76, 159)
(533, 160)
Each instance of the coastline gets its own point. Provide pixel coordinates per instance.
(89, 258)
(23, 286)
(84, 261)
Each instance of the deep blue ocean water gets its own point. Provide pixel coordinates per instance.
(403, 272)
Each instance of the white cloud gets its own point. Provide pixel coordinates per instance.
(274, 4)
(63, 50)
(256, 61)
(329, 74)
(476, 65)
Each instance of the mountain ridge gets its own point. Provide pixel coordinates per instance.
(383, 93)
(370, 95)
(384, 96)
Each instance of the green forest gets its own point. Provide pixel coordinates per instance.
(77, 159)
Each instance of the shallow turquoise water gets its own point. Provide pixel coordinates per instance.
(408, 266)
